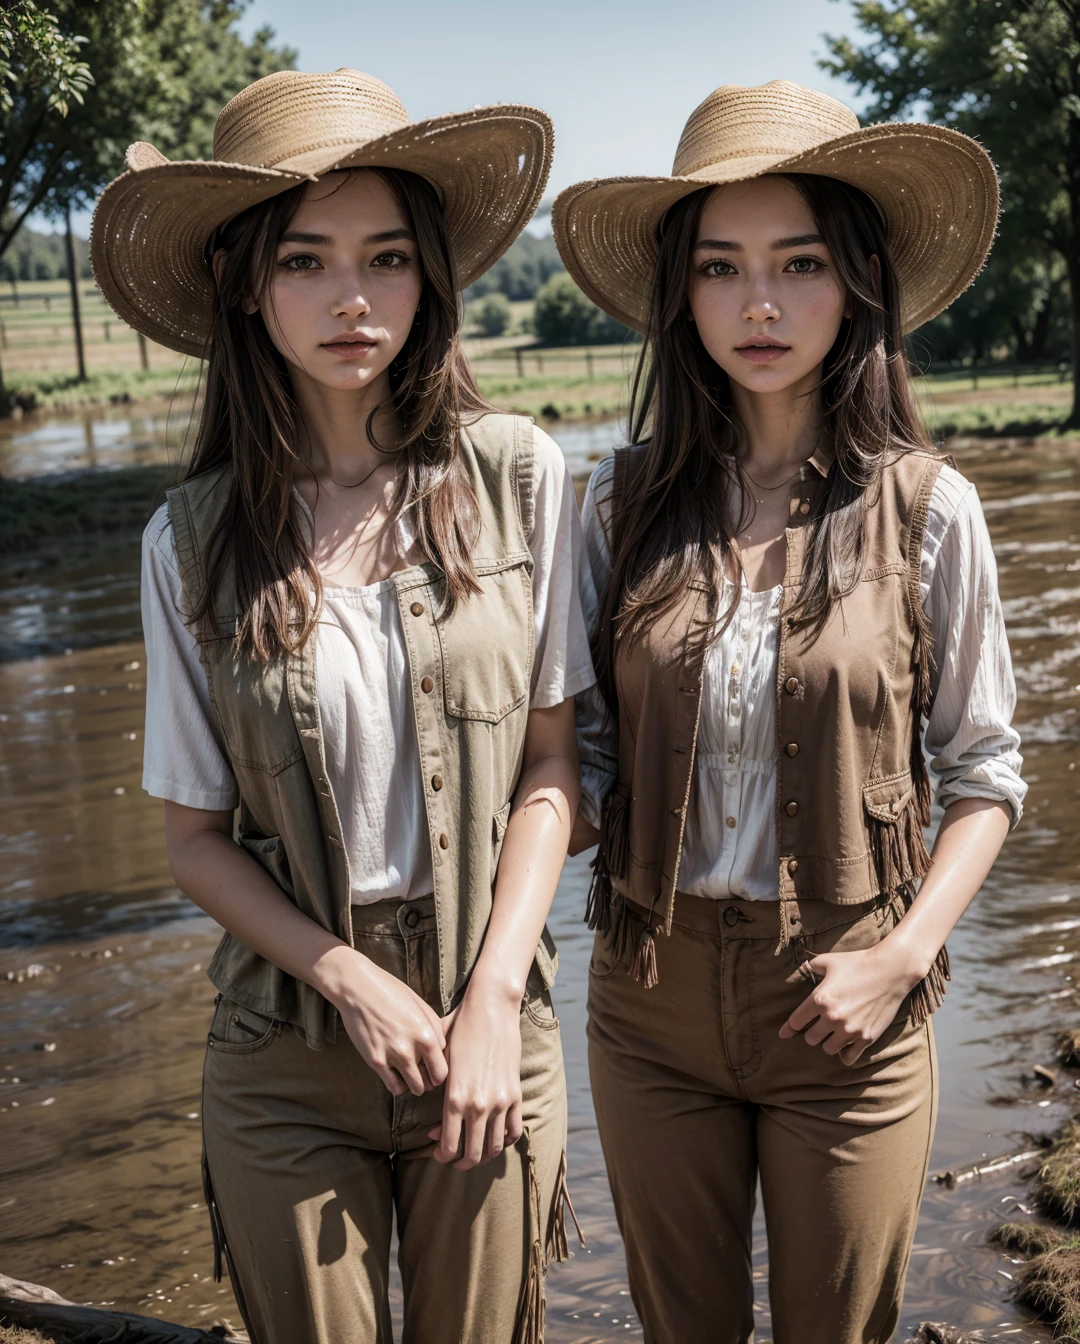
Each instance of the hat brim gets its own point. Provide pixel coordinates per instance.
(151, 224)
(936, 188)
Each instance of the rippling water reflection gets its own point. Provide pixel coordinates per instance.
(103, 1019)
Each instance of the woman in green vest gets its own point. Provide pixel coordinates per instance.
(794, 604)
(363, 639)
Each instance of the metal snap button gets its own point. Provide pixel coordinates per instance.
(792, 748)
(417, 609)
(731, 916)
(792, 808)
(412, 918)
(436, 782)
(427, 685)
(791, 685)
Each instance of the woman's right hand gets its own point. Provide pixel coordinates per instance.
(396, 1033)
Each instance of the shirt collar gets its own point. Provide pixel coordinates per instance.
(822, 458)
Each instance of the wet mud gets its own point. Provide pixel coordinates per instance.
(104, 1001)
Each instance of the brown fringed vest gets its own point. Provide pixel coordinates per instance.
(852, 790)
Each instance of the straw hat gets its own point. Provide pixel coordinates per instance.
(152, 223)
(936, 188)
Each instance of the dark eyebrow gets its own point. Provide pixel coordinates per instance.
(322, 240)
(781, 244)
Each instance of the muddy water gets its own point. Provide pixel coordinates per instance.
(104, 1001)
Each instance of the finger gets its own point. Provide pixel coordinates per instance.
(450, 1137)
(837, 1042)
(472, 1148)
(437, 1025)
(495, 1136)
(435, 1133)
(515, 1126)
(806, 1013)
(414, 1079)
(393, 1080)
(820, 1031)
(852, 1053)
(434, 1062)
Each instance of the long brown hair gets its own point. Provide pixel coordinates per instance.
(249, 425)
(671, 527)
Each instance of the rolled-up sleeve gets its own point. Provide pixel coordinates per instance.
(184, 759)
(597, 734)
(973, 748)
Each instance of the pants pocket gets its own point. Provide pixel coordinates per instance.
(236, 1030)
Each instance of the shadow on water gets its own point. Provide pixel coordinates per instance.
(104, 1000)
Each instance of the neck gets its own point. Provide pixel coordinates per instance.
(782, 428)
(333, 426)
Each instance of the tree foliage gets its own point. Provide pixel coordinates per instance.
(157, 70)
(1008, 73)
(492, 314)
(564, 316)
(522, 270)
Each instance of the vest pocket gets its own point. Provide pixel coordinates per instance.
(487, 647)
(269, 854)
(498, 833)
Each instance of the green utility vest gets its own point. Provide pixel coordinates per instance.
(470, 674)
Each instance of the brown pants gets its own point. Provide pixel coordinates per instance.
(309, 1159)
(697, 1097)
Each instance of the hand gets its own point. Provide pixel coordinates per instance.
(395, 1031)
(482, 1104)
(857, 996)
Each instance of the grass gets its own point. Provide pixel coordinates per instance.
(1057, 1186)
(37, 508)
(15, 1334)
(1050, 1281)
(59, 391)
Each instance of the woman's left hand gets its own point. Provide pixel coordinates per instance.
(857, 996)
(482, 1101)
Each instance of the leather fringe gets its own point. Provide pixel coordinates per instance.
(557, 1247)
(929, 994)
(612, 860)
(898, 848)
(531, 1322)
(643, 967)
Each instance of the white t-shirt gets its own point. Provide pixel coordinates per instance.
(362, 691)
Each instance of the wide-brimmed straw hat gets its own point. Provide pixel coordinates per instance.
(152, 224)
(937, 190)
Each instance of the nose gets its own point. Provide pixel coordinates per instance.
(760, 306)
(350, 302)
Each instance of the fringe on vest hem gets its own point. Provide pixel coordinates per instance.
(532, 1313)
(557, 1246)
(929, 994)
(612, 860)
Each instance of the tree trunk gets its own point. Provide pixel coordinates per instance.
(73, 281)
(1072, 262)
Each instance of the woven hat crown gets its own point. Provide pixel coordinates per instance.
(774, 120)
(281, 119)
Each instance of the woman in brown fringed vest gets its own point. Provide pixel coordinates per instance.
(794, 605)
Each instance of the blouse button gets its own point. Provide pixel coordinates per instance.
(791, 685)
(791, 808)
(444, 841)
(417, 609)
(731, 822)
(427, 685)
(436, 784)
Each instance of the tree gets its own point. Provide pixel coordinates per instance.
(492, 314)
(523, 269)
(564, 316)
(155, 70)
(1008, 73)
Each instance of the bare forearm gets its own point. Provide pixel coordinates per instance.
(229, 885)
(968, 842)
(529, 869)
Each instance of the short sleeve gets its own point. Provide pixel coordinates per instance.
(562, 664)
(184, 759)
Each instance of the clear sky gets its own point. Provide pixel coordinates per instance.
(618, 78)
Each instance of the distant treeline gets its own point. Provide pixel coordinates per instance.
(41, 256)
(522, 271)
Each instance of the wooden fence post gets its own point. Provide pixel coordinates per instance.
(73, 281)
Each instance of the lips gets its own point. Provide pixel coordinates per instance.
(762, 351)
(348, 346)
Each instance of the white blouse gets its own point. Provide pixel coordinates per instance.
(730, 846)
(363, 692)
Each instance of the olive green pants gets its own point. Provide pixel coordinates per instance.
(309, 1159)
(698, 1098)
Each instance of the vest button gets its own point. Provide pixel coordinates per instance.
(793, 866)
(804, 507)
(791, 685)
(436, 782)
(444, 841)
(417, 609)
(791, 808)
(792, 748)
(427, 685)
